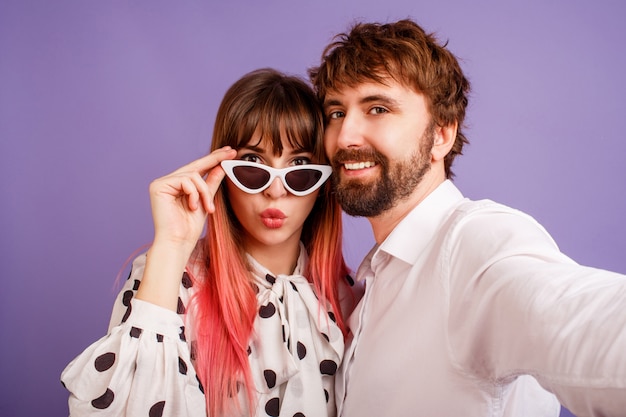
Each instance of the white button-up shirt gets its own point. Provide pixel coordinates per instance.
(470, 309)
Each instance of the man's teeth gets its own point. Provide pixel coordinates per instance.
(359, 165)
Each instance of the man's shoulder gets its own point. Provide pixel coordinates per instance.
(488, 220)
(467, 208)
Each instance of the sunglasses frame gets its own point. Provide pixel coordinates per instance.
(229, 165)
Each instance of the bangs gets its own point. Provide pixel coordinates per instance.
(283, 116)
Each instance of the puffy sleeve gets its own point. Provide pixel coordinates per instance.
(142, 367)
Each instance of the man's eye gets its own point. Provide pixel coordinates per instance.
(336, 115)
(378, 110)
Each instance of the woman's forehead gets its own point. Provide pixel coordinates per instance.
(279, 140)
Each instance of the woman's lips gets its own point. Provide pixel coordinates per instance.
(273, 218)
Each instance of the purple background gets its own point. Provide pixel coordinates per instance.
(99, 97)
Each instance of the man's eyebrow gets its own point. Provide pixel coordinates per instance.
(384, 99)
(390, 101)
(332, 102)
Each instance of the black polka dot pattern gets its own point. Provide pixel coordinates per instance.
(200, 384)
(104, 401)
(181, 335)
(270, 378)
(180, 308)
(104, 361)
(299, 415)
(126, 297)
(127, 314)
(135, 332)
(157, 409)
(271, 279)
(182, 366)
(328, 367)
(267, 311)
(186, 281)
(272, 407)
(301, 350)
(159, 338)
(327, 395)
(136, 284)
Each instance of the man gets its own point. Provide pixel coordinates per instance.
(470, 308)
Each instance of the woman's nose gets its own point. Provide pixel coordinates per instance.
(276, 189)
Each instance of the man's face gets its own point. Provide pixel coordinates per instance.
(378, 138)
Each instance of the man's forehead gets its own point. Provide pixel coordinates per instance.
(358, 88)
(363, 90)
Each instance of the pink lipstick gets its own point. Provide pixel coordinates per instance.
(273, 218)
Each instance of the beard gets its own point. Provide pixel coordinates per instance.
(396, 183)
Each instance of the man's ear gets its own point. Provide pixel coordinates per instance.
(444, 139)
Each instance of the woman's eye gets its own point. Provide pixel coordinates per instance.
(251, 158)
(301, 161)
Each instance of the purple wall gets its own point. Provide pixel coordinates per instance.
(98, 98)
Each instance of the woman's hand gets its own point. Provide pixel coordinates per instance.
(181, 200)
(180, 203)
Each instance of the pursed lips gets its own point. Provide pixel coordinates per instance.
(273, 218)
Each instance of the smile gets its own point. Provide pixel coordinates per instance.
(359, 165)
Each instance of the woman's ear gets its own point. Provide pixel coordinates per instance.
(443, 141)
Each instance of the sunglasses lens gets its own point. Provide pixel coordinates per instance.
(252, 177)
(303, 179)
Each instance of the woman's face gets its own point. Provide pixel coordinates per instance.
(274, 217)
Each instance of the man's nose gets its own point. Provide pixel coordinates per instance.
(349, 133)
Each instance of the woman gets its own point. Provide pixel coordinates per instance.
(249, 319)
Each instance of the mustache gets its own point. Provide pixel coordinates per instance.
(358, 155)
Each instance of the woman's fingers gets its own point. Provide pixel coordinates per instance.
(197, 182)
(192, 190)
(205, 192)
(212, 182)
(203, 165)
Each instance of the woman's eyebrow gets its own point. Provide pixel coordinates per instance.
(254, 148)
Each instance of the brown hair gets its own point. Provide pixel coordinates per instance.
(410, 56)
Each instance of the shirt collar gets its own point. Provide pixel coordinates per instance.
(409, 238)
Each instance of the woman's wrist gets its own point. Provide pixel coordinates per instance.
(165, 264)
